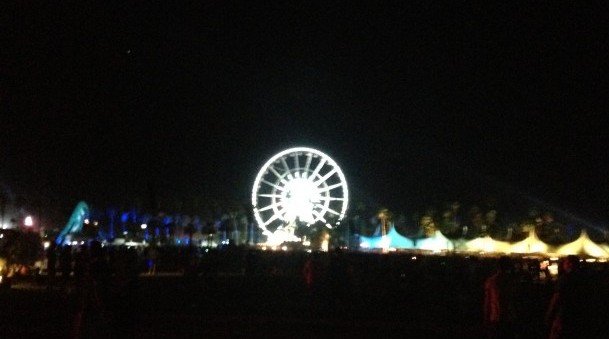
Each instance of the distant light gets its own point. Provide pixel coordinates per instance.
(46, 244)
(385, 241)
(144, 226)
(4, 226)
(28, 221)
(95, 223)
(324, 245)
(1, 235)
(553, 269)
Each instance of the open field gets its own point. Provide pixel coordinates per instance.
(381, 300)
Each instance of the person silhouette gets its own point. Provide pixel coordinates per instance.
(51, 266)
(499, 314)
(566, 310)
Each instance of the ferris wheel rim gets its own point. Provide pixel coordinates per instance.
(324, 159)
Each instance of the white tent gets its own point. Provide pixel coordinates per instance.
(487, 244)
(605, 247)
(437, 242)
(393, 239)
(532, 244)
(583, 246)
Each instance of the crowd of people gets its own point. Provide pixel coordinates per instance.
(512, 297)
(574, 309)
(103, 284)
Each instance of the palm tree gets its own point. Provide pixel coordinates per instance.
(385, 216)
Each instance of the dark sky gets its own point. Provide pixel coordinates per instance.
(419, 102)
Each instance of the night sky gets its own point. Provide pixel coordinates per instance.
(419, 102)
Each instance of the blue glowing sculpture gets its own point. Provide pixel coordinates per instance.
(74, 225)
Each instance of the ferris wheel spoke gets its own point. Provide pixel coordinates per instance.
(331, 199)
(323, 208)
(325, 177)
(271, 206)
(319, 216)
(273, 218)
(321, 164)
(266, 195)
(307, 165)
(287, 168)
(296, 163)
(278, 175)
(328, 188)
(332, 211)
(273, 185)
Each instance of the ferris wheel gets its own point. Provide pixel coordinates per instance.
(298, 185)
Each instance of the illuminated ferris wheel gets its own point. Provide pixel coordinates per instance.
(298, 185)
